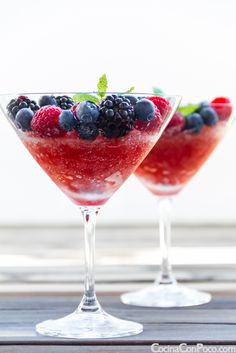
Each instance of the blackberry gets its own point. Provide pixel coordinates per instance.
(116, 117)
(64, 102)
(19, 103)
(88, 131)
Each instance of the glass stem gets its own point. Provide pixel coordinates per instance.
(89, 301)
(164, 208)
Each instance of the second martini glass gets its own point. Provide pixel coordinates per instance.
(88, 146)
(189, 139)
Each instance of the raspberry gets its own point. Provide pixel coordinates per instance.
(223, 107)
(45, 122)
(162, 104)
(177, 121)
(73, 109)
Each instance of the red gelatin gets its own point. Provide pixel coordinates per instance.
(89, 172)
(177, 157)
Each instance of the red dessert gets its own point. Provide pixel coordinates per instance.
(89, 172)
(180, 152)
(88, 149)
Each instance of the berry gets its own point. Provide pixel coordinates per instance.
(203, 104)
(223, 107)
(19, 103)
(64, 102)
(116, 117)
(177, 121)
(88, 131)
(23, 119)
(209, 116)
(45, 121)
(73, 109)
(194, 122)
(133, 100)
(162, 104)
(67, 120)
(87, 112)
(47, 100)
(144, 110)
(151, 126)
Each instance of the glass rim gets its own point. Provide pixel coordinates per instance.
(88, 92)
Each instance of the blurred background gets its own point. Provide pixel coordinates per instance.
(184, 47)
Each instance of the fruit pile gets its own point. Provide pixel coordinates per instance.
(194, 117)
(188, 141)
(112, 116)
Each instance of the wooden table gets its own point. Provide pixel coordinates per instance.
(41, 277)
(214, 323)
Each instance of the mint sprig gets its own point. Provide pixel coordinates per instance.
(131, 89)
(102, 86)
(157, 91)
(81, 97)
(97, 97)
(188, 109)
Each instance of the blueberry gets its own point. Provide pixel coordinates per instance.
(203, 104)
(23, 119)
(47, 100)
(67, 120)
(133, 100)
(88, 131)
(87, 112)
(144, 110)
(209, 116)
(194, 122)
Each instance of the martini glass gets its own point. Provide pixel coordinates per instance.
(183, 148)
(88, 150)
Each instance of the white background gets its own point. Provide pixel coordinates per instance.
(186, 47)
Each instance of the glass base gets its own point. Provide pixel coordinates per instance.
(97, 324)
(166, 295)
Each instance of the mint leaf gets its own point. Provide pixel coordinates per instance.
(102, 86)
(188, 109)
(131, 89)
(157, 91)
(81, 97)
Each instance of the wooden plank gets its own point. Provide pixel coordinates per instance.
(31, 318)
(74, 349)
(39, 241)
(210, 324)
(50, 259)
(68, 302)
(105, 349)
(111, 278)
(162, 333)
